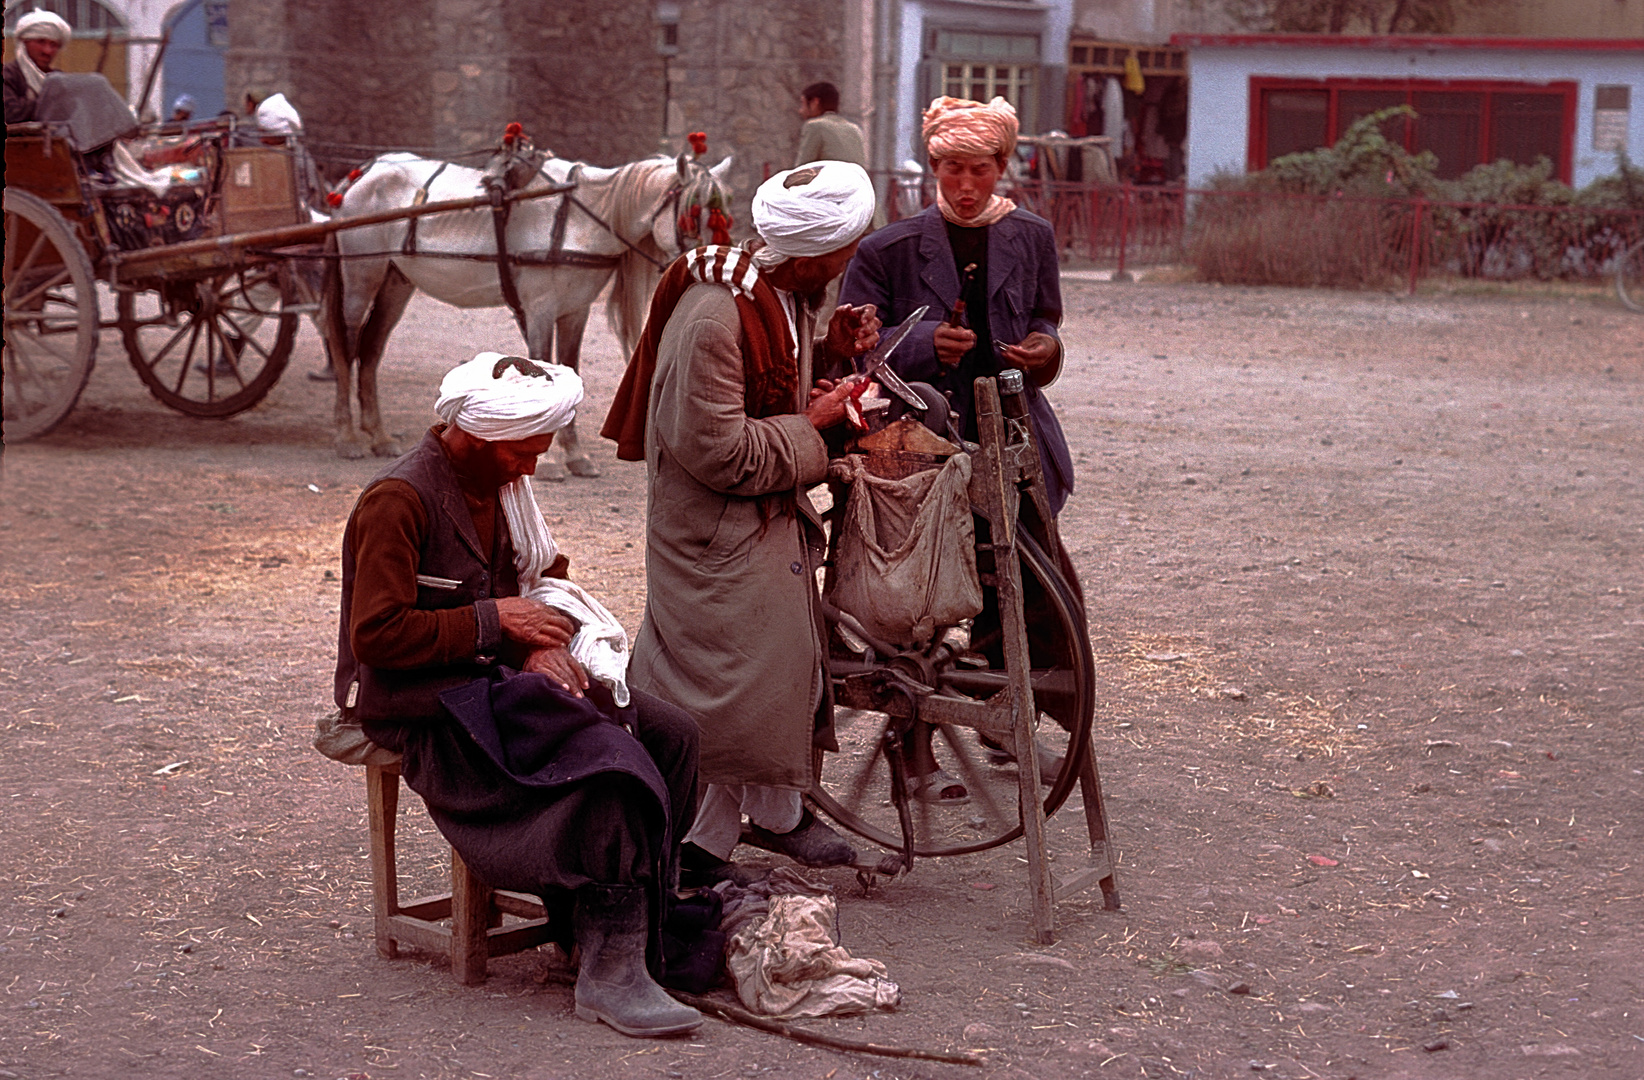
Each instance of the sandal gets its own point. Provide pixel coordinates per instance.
(938, 789)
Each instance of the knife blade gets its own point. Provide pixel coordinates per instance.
(880, 356)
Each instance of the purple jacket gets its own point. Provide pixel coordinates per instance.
(910, 263)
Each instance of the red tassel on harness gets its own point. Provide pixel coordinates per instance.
(355, 174)
(690, 221)
(514, 132)
(699, 141)
(334, 199)
(719, 225)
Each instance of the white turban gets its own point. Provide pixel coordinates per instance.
(812, 210)
(491, 398)
(277, 116)
(43, 24)
(507, 404)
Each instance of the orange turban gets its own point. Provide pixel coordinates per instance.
(956, 127)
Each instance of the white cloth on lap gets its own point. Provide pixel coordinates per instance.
(601, 645)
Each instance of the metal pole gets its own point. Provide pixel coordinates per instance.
(667, 97)
(1124, 232)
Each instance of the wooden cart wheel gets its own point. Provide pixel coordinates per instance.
(853, 786)
(51, 317)
(212, 346)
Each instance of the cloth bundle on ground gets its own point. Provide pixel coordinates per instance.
(907, 553)
(748, 903)
(789, 964)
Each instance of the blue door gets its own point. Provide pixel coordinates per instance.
(194, 59)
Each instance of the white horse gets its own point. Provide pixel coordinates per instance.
(623, 221)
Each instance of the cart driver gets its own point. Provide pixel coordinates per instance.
(41, 35)
(280, 124)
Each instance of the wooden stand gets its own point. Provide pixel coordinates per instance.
(474, 910)
(1007, 469)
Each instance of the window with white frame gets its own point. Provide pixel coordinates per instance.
(981, 66)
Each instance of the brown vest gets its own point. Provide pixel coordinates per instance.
(450, 553)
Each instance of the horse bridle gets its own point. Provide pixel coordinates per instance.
(688, 224)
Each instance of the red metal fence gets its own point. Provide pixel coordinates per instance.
(1271, 238)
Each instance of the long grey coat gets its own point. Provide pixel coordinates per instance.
(732, 630)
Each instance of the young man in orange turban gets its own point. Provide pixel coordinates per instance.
(1013, 305)
(1013, 298)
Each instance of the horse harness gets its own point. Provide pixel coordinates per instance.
(556, 255)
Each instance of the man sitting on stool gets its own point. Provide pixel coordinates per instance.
(545, 781)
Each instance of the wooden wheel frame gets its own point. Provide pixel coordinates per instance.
(854, 786)
(212, 346)
(51, 317)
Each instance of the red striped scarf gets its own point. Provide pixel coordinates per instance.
(770, 366)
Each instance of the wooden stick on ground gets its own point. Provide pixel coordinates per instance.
(733, 1014)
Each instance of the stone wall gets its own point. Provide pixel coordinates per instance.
(741, 66)
(584, 77)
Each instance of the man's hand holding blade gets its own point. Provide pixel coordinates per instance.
(534, 624)
(1037, 354)
(952, 343)
(827, 404)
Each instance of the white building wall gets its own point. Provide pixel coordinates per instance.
(1219, 90)
(144, 19)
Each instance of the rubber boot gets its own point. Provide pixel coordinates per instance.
(613, 984)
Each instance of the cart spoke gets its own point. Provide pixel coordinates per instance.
(161, 355)
(227, 353)
(188, 358)
(247, 339)
(29, 297)
(15, 272)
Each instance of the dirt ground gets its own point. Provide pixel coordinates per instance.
(1364, 575)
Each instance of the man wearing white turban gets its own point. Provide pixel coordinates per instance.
(461, 646)
(41, 35)
(720, 403)
(279, 124)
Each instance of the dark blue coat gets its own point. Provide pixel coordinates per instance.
(910, 263)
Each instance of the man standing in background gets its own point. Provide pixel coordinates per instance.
(827, 136)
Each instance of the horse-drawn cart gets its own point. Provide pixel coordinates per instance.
(207, 267)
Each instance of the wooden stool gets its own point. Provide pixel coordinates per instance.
(475, 910)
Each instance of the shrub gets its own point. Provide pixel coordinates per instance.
(1330, 232)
